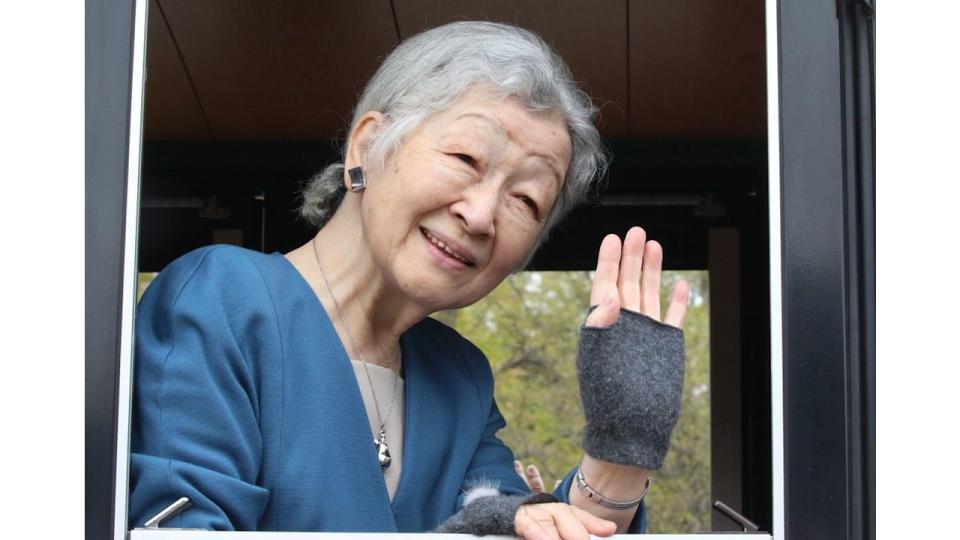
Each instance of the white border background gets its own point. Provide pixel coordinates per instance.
(918, 380)
(42, 276)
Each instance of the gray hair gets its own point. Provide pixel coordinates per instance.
(430, 71)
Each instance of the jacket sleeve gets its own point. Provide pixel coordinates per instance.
(492, 466)
(195, 428)
(491, 469)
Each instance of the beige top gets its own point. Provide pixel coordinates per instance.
(384, 380)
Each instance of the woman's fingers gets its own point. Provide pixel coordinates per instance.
(608, 265)
(594, 524)
(558, 520)
(604, 293)
(527, 526)
(650, 282)
(679, 301)
(534, 480)
(569, 525)
(531, 475)
(629, 276)
(631, 265)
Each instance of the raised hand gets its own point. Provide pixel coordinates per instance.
(628, 277)
(629, 364)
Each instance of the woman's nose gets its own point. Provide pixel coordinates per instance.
(477, 208)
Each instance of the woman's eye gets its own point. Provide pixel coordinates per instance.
(530, 203)
(466, 158)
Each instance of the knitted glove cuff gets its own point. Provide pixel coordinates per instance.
(491, 515)
(631, 383)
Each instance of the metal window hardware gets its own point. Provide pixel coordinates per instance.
(179, 506)
(748, 526)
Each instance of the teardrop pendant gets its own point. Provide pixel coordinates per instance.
(383, 451)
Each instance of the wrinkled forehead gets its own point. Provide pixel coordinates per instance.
(540, 134)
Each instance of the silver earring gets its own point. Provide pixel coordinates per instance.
(358, 182)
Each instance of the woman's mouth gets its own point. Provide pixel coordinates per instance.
(443, 249)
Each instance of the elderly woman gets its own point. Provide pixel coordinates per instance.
(311, 392)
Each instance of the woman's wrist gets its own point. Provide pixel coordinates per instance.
(613, 480)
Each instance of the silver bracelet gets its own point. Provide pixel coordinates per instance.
(605, 502)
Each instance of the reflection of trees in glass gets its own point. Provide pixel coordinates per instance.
(528, 327)
(144, 279)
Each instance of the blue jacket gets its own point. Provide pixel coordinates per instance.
(245, 402)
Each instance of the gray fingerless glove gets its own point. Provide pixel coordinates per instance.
(631, 381)
(491, 515)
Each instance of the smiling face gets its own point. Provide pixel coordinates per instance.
(463, 200)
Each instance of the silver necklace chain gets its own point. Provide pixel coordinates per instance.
(363, 361)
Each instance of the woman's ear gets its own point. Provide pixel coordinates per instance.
(359, 140)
